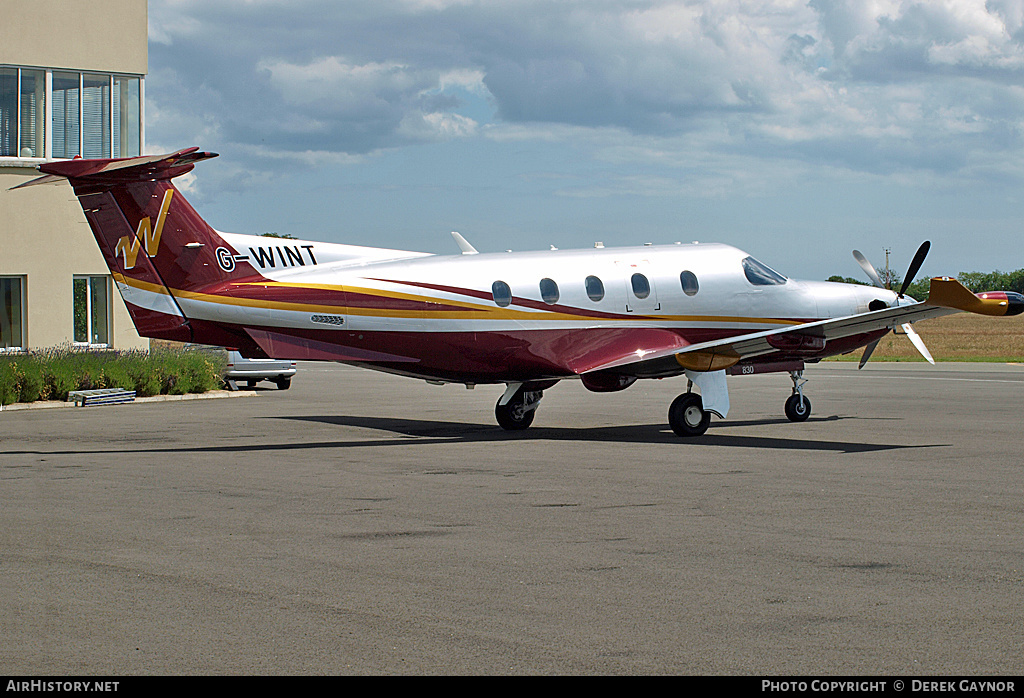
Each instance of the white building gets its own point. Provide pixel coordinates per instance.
(72, 82)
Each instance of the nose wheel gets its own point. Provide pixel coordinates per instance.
(798, 407)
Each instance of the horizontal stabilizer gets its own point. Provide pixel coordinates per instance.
(110, 172)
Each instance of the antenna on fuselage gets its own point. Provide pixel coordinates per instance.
(463, 244)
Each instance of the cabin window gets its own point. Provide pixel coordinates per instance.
(549, 291)
(501, 293)
(688, 280)
(641, 286)
(761, 274)
(595, 288)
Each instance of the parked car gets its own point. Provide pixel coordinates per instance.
(251, 371)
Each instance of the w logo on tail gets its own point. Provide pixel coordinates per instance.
(145, 235)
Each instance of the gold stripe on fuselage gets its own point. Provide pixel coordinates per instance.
(472, 311)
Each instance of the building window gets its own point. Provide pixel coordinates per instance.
(22, 112)
(66, 115)
(92, 311)
(95, 115)
(12, 310)
(127, 109)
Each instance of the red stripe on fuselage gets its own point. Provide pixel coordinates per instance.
(516, 300)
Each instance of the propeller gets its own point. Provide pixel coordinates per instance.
(868, 269)
(915, 266)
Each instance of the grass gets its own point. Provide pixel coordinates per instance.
(960, 337)
(52, 373)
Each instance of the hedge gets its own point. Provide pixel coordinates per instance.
(50, 374)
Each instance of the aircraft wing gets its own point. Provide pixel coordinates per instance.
(809, 339)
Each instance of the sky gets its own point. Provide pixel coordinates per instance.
(794, 130)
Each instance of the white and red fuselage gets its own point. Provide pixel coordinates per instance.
(439, 317)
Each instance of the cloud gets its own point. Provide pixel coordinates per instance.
(880, 87)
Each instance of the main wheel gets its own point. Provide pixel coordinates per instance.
(513, 415)
(797, 410)
(687, 416)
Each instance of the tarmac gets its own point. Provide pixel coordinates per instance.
(362, 523)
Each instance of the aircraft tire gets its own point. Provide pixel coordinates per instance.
(512, 417)
(797, 412)
(687, 415)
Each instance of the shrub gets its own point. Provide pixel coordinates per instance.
(9, 391)
(31, 378)
(51, 374)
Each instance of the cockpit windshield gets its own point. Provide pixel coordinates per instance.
(761, 274)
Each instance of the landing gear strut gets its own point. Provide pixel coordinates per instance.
(687, 415)
(518, 412)
(798, 407)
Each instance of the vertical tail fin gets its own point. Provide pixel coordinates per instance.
(153, 241)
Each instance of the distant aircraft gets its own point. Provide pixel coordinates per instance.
(606, 316)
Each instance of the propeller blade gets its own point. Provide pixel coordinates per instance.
(867, 353)
(915, 266)
(915, 338)
(868, 269)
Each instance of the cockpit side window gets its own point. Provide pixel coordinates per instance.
(761, 274)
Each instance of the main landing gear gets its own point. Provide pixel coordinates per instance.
(515, 409)
(687, 416)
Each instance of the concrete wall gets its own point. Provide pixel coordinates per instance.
(106, 35)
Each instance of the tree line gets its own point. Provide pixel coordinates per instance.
(976, 281)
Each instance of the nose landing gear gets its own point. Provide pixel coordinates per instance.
(798, 407)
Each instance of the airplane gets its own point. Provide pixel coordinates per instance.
(606, 316)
